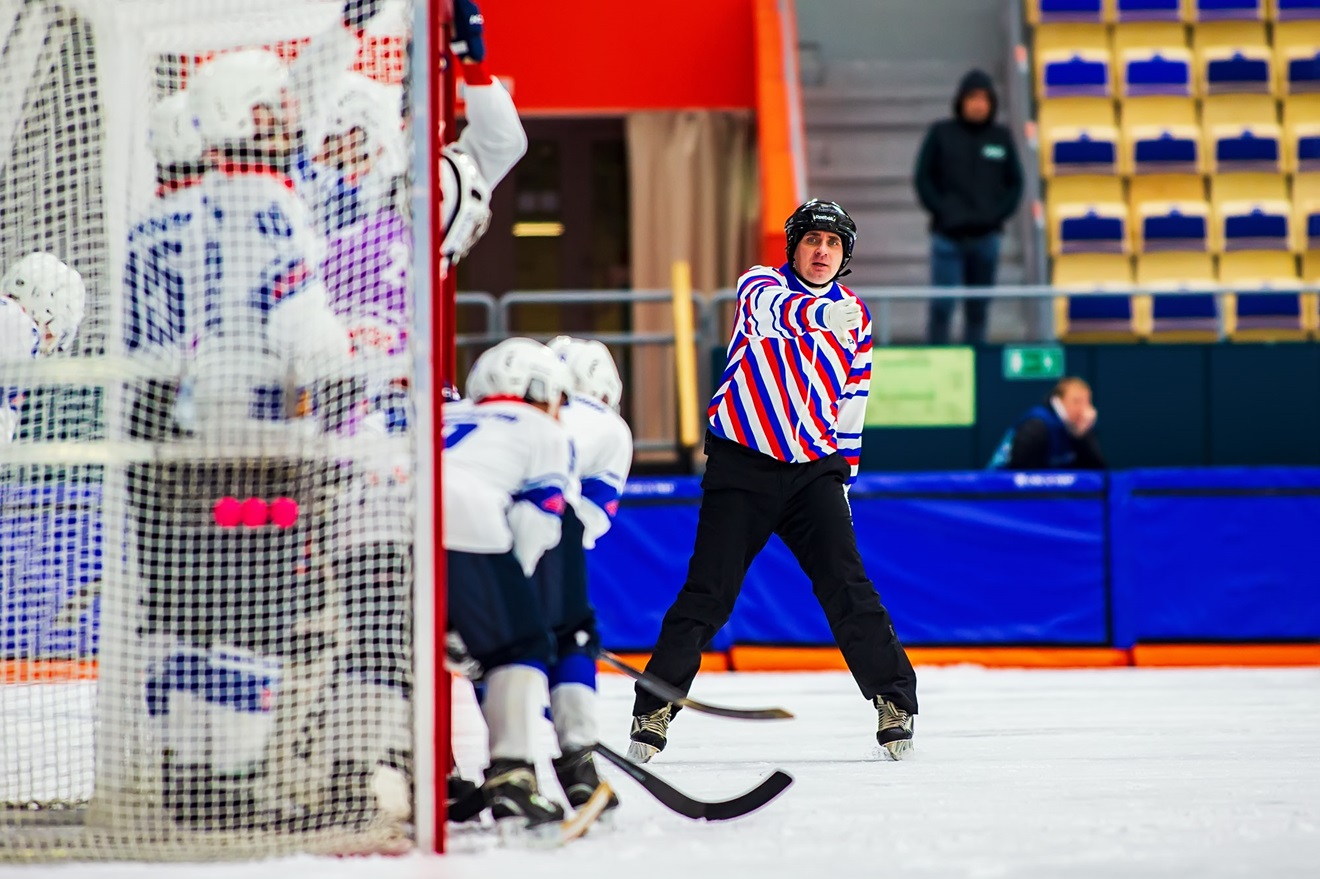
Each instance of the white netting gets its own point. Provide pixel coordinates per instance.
(208, 442)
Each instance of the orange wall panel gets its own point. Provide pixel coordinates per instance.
(603, 56)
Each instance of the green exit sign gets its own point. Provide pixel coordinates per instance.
(1033, 361)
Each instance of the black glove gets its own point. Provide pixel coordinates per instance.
(358, 12)
(469, 43)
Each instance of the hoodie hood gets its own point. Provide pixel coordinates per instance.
(971, 81)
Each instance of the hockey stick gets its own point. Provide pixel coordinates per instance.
(690, 807)
(670, 693)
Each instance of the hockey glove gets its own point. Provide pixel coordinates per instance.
(843, 316)
(358, 12)
(469, 41)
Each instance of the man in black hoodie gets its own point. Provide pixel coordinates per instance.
(969, 180)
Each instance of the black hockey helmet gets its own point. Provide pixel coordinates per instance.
(821, 216)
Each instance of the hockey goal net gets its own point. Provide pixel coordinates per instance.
(209, 494)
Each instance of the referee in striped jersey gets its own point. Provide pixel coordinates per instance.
(783, 445)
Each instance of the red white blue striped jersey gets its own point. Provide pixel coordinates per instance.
(792, 389)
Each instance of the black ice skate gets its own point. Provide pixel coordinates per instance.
(464, 799)
(895, 730)
(577, 775)
(512, 793)
(648, 735)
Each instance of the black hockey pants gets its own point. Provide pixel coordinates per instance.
(747, 496)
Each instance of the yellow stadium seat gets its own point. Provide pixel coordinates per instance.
(1296, 50)
(1049, 37)
(1162, 149)
(1089, 227)
(1311, 266)
(1158, 110)
(1239, 110)
(1148, 35)
(1229, 35)
(1055, 11)
(1110, 313)
(1306, 212)
(1089, 188)
(1271, 316)
(1301, 133)
(1171, 225)
(1238, 147)
(1247, 187)
(1166, 187)
(1179, 317)
(1076, 112)
(1252, 225)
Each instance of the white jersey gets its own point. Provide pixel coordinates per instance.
(20, 340)
(494, 137)
(602, 457)
(226, 280)
(505, 470)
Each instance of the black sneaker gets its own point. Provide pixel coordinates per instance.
(577, 775)
(511, 792)
(649, 733)
(894, 732)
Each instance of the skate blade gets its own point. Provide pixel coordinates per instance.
(514, 833)
(639, 752)
(896, 751)
(584, 818)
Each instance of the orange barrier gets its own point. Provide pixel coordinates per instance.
(34, 671)
(1243, 655)
(778, 112)
(829, 659)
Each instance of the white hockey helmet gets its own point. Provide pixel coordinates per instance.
(227, 88)
(362, 102)
(592, 369)
(173, 137)
(52, 294)
(465, 199)
(520, 368)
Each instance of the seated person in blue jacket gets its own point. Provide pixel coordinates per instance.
(1058, 434)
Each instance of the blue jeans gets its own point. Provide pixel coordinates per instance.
(961, 262)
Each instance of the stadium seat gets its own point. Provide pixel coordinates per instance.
(1251, 225)
(1185, 317)
(1239, 110)
(1147, 35)
(1163, 71)
(1162, 111)
(1234, 148)
(1097, 317)
(1149, 10)
(1301, 126)
(1065, 73)
(1306, 212)
(1223, 10)
(1065, 37)
(1077, 136)
(1297, 56)
(1088, 227)
(1162, 149)
(1094, 189)
(1296, 10)
(1311, 268)
(1053, 11)
(1282, 316)
(1166, 187)
(1229, 34)
(1247, 187)
(1172, 225)
(1225, 69)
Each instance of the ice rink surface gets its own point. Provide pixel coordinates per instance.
(1033, 774)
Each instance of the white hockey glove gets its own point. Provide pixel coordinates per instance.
(843, 316)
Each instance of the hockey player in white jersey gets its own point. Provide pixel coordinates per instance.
(42, 303)
(602, 457)
(505, 470)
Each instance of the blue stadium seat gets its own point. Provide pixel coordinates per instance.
(1100, 315)
(1226, 10)
(1089, 228)
(1172, 225)
(1084, 73)
(1241, 148)
(1157, 149)
(1149, 10)
(1252, 225)
(1272, 316)
(1074, 150)
(1164, 71)
(1296, 10)
(1236, 70)
(1052, 11)
(1302, 72)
